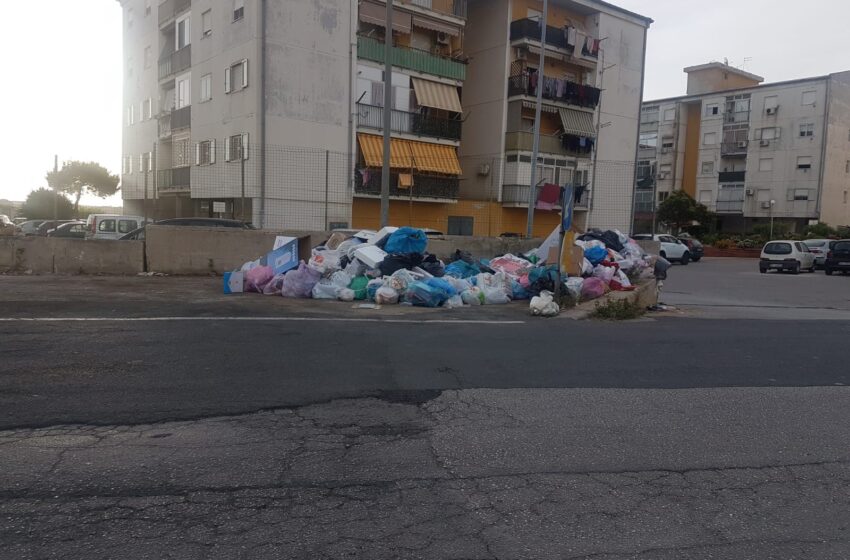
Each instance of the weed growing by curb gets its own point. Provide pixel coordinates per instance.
(617, 310)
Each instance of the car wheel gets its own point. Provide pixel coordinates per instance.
(796, 269)
(686, 258)
(827, 270)
(696, 259)
(762, 270)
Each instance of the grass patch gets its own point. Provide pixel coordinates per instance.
(617, 310)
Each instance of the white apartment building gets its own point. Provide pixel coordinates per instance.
(749, 151)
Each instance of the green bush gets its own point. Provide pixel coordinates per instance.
(820, 230)
(618, 310)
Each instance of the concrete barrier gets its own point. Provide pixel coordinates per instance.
(47, 255)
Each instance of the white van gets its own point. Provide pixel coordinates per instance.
(111, 226)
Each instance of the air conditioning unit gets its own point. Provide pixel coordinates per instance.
(662, 175)
(742, 144)
(765, 205)
(771, 110)
(443, 38)
(764, 143)
(484, 169)
(750, 192)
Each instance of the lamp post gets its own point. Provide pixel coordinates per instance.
(772, 202)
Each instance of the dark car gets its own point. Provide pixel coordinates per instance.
(73, 230)
(192, 222)
(50, 224)
(838, 257)
(694, 246)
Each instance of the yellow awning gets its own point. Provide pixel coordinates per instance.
(437, 95)
(436, 158)
(372, 147)
(407, 154)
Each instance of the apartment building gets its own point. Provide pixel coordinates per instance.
(273, 112)
(591, 85)
(749, 151)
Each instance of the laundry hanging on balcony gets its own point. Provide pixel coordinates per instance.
(577, 123)
(437, 95)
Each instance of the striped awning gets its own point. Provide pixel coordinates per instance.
(437, 95)
(578, 123)
(434, 25)
(376, 15)
(407, 154)
(543, 107)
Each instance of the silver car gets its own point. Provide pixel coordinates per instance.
(819, 248)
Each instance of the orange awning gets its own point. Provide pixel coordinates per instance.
(372, 147)
(407, 154)
(437, 158)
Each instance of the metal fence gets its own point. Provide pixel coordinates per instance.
(280, 187)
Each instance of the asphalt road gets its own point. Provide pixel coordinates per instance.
(155, 418)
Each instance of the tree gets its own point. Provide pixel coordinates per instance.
(679, 210)
(77, 177)
(39, 205)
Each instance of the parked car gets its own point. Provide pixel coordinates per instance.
(111, 226)
(74, 230)
(48, 225)
(29, 227)
(196, 222)
(792, 256)
(819, 247)
(694, 246)
(838, 257)
(671, 248)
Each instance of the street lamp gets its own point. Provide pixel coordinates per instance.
(772, 203)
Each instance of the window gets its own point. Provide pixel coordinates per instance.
(771, 102)
(709, 139)
(798, 194)
(106, 226)
(460, 225)
(649, 114)
(707, 167)
(777, 249)
(807, 130)
(667, 143)
(808, 98)
(147, 8)
(669, 115)
(771, 133)
(648, 140)
(205, 152)
(804, 162)
(712, 109)
(236, 147)
(183, 91)
(126, 226)
(127, 165)
(147, 57)
(238, 9)
(184, 32)
(131, 115)
(644, 169)
(662, 196)
(206, 87)
(236, 77)
(766, 164)
(705, 197)
(181, 154)
(206, 24)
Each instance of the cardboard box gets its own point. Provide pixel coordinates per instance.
(284, 256)
(382, 235)
(234, 282)
(370, 255)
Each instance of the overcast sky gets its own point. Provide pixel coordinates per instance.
(63, 85)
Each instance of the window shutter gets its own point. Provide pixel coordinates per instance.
(244, 72)
(198, 153)
(758, 134)
(141, 163)
(212, 151)
(245, 146)
(227, 80)
(789, 195)
(227, 149)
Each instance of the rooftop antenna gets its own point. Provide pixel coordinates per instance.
(746, 60)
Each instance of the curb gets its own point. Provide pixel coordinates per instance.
(645, 294)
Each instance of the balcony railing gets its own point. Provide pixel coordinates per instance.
(178, 178)
(518, 194)
(181, 118)
(456, 8)
(372, 49)
(170, 8)
(372, 116)
(732, 176)
(530, 29)
(424, 186)
(164, 125)
(733, 149)
(555, 89)
(524, 142)
(175, 62)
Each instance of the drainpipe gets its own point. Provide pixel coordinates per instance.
(262, 123)
(637, 134)
(823, 146)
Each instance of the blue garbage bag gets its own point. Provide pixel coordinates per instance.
(443, 285)
(518, 291)
(422, 294)
(461, 270)
(406, 240)
(595, 255)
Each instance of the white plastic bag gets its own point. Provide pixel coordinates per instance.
(341, 279)
(459, 285)
(586, 267)
(574, 284)
(604, 273)
(324, 261)
(346, 294)
(543, 305)
(355, 268)
(495, 295)
(325, 289)
(400, 280)
(453, 302)
(473, 296)
(385, 294)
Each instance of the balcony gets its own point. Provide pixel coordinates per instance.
(372, 116)
(530, 29)
(164, 125)
(733, 149)
(181, 118)
(524, 142)
(518, 195)
(169, 9)
(732, 176)
(562, 91)
(424, 186)
(176, 179)
(412, 59)
(455, 8)
(175, 62)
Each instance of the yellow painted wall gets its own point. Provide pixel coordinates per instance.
(550, 123)
(557, 15)
(689, 170)
(366, 214)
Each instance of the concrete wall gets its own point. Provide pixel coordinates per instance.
(835, 198)
(42, 255)
(715, 78)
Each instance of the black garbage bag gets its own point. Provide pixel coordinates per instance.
(464, 256)
(432, 265)
(609, 238)
(397, 261)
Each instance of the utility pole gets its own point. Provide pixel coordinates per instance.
(388, 101)
(242, 182)
(772, 202)
(532, 187)
(55, 194)
(145, 166)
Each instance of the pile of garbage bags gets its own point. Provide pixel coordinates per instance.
(393, 266)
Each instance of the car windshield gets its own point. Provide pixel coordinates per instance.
(777, 249)
(842, 246)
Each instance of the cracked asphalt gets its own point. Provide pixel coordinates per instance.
(507, 438)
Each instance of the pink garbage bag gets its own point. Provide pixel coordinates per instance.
(257, 278)
(592, 288)
(299, 283)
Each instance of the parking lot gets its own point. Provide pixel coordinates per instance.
(733, 288)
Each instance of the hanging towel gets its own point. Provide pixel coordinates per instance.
(571, 36)
(548, 197)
